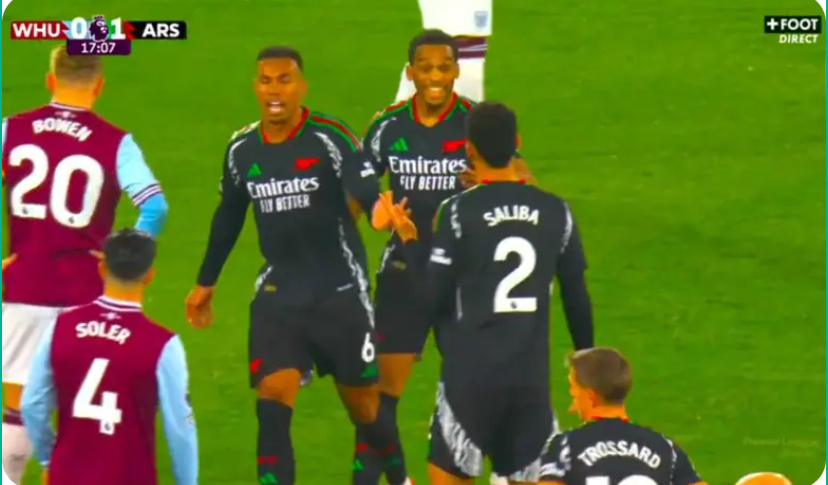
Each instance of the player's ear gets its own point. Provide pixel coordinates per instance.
(518, 141)
(102, 269)
(99, 85)
(149, 277)
(51, 82)
(409, 72)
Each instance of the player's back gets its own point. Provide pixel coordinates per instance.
(104, 358)
(613, 451)
(511, 237)
(59, 169)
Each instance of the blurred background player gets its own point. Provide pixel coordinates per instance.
(107, 369)
(470, 23)
(608, 448)
(64, 169)
(311, 303)
(497, 249)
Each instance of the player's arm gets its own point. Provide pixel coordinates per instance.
(572, 281)
(372, 144)
(38, 401)
(441, 265)
(556, 462)
(228, 221)
(176, 413)
(683, 471)
(138, 182)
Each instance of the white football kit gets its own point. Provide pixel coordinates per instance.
(469, 18)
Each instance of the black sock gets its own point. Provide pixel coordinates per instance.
(383, 437)
(367, 468)
(274, 452)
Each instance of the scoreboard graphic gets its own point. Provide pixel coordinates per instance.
(99, 36)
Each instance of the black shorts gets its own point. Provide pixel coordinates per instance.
(335, 335)
(401, 311)
(510, 426)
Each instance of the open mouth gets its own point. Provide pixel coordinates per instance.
(276, 107)
(436, 92)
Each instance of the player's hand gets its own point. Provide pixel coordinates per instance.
(522, 170)
(402, 223)
(382, 216)
(199, 307)
(468, 178)
(8, 261)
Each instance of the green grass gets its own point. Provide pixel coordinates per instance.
(690, 145)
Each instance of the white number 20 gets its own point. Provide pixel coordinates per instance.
(631, 480)
(60, 186)
(503, 303)
(106, 413)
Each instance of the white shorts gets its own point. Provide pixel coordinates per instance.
(23, 327)
(458, 17)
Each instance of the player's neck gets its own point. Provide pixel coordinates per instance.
(489, 174)
(608, 412)
(279, 132)
(74, 98)
(130, 294)
(429, 115)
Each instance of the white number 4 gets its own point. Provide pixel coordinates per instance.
(106, 413)
(503, 303)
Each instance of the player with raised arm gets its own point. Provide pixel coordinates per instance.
(497, 248)
(296, 168)
(608, 449)
(470, 23)
(107, 369)
(64, 168)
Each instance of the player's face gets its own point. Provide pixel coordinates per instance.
(433, 73)
(280, 88)
(581, 398)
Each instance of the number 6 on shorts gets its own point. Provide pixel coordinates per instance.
(369, 352)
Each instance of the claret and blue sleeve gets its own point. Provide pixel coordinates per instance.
(137, 181)
(39, 401)
(176, 412)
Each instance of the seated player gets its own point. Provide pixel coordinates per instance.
(311, 306)
(107, 368)
(608, 448)
(470, 23)
(64, 169)
(497, 248)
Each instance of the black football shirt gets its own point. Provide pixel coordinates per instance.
(497, 248)
(616, 452)
(422, 164)
(297, 191)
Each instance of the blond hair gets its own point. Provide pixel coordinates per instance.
(74, 69)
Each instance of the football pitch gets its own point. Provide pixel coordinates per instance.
(690, 145)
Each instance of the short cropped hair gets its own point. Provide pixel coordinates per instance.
(281, 52)
(74, 69)
(129, 254)
(492, 128)
(603, 370)
(431, 37)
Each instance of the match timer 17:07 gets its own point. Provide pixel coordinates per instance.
(98, 48)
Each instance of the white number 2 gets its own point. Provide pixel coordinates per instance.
(503, 303)
(60, 186)
(106, 413)
(369, 352)
(631, 480)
